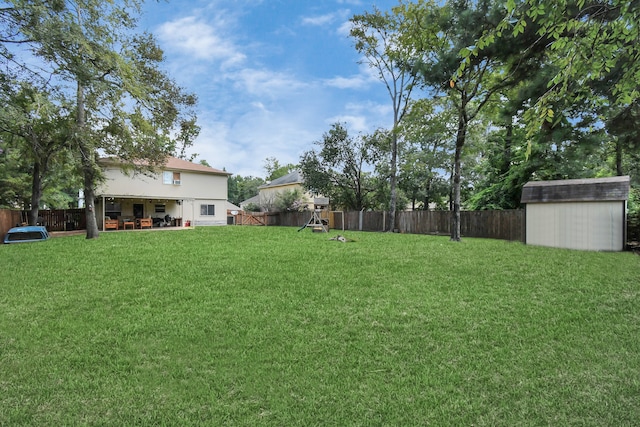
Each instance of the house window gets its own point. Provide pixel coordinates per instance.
(170, 178)
(160, 208)
(207, 210)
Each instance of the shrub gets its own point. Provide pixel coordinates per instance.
(291, 200)
(252, 207)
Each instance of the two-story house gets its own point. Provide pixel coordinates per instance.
(184, 192)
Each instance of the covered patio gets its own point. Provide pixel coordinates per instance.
(129, 213)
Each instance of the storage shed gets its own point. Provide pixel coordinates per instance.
(588, 214)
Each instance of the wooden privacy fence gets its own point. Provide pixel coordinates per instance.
(505, 225)
(54, 220)
(8, 218)
(64, 219)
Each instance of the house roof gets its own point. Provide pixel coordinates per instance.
(185, 165)
(294, 177)
(174, 163)
(577, 190)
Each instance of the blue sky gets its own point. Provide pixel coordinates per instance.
(271, 75)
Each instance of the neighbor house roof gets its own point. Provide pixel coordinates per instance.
(232, 207)
(576, 190)
(294, 177)
(255, 199)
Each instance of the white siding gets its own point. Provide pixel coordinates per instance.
(192, 185)
(582, 225)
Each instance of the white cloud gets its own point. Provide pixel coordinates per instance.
(354, 123)
(364, 116)
(198, 39)
(363, 79)
(354, 82)
(319, 20)
(266, 83)
(327, 19)
(345, 29)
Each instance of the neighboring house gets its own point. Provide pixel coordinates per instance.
(268, 193)
(191, 193)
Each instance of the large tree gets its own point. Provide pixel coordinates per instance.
(489, 71)
(378, 37)
(338, 169)
(41, 130)
(426, 154)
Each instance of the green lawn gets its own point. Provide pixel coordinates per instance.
(255, 326)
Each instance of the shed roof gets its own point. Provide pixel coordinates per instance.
(576, 190)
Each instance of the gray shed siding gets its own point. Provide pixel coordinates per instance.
(585, 225)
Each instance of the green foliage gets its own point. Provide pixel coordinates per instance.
(633, 215)
(275, 170)
(389, 330)
(37, 126)
(338, 169)
(242, 188)
(252, 207)
(587, 43)
(425, 154)
(487, 72)
(15, 177)
(633, 204)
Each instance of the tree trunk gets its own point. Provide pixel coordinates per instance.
(36, 193)
(506, 154)
(619, 170)
(89, 197)
(88, 167)
(455, 212)
(427, 196)
(394, 193)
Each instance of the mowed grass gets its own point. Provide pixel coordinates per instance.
(255, 326)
